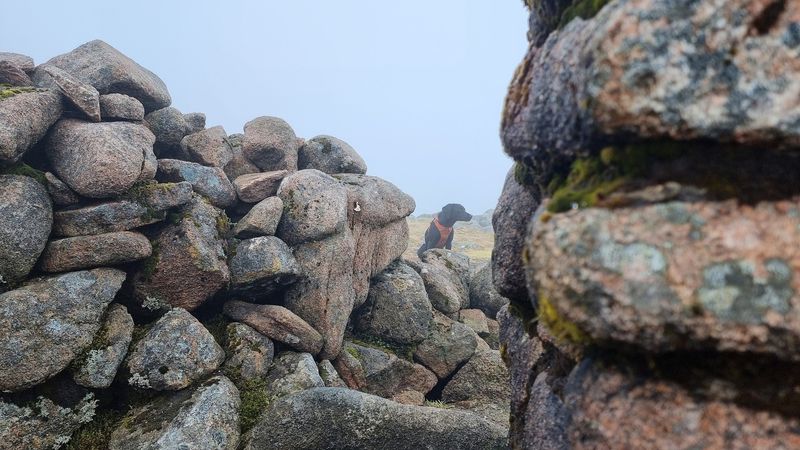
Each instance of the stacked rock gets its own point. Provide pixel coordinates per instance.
(647, 236)
(166, 285)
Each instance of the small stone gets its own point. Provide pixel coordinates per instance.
(255, 187)
(270, 143)
(315, 206)
(59, 192)
(169, 127)
(208, 147)
(121, 107)
(448, 346)
(43, 423)
(261, 220)
(210, 182)
(330, 155)
(329, 375)
(24, 121)
(196, 121)
(26, 217)
(249, 352)
(86, 252)
(475, 319)
(292, 373)
(98, 367)
(83, 96)
(262, 266)
(277, 323)
(239, 164)
(484, 377)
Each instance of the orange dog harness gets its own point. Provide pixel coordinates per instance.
(444, 232)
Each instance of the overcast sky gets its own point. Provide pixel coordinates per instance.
(416, 86)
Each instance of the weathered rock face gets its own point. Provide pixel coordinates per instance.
(48, 322)
(278, 323)
(262, 220)
(99, 160)
(249, 353)
(208, 147)
(293, 373)
(448, 345)
(196, 122)
(25, 118)
(724, 280)
(175, 352)
(252, 188)
(24, 62)
(387, 375)
(315, 207)
(261, 266)
(121, 107)
(339, 418)
(86, 252)
(26, 216)
(206, 417)
(189, 266)
(81, 95)
(209, 182)
(329, 375)
(169, 126)
(445, 275)
(482, 293)
(484, 378)
(12, 75)
(147, 206)
(43, 424)
(109, 71)
(397, 309)
(330, 155)
(270, 143)
(98, 367)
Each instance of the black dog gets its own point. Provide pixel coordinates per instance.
(440, 233)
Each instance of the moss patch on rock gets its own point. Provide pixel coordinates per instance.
(8, 91)
(561, 328)
(26, 171)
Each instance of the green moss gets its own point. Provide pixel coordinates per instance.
(402, 351)
(26, 171)
(150, 265)
(8, 91)
(255, 399)
(354, 353)
(523, 174)
(561, 328)
(218, 327)
(585, 9)
(438, 404)
(95, 434)
(223, 224)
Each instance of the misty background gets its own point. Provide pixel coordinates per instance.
(416, 87)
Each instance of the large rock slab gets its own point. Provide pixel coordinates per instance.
(190, 265)
(99, 160)
(447, 347)
(48, 322)
(676, 276)
(324, 297)
(330, 155)
(329, 418)
(209, 182)
(376, 249)
(109, 71)
(86, 252)
(261, 220)
(315, 207)
(292, 373)
(262, 266)
(147, 205)
(249, 353)
(173, 354)
(43, 424)
(398, 309)
(208, 147)
(26, 217)
(121, 107)
(277, 323)
(81, 95)
(206, 417)
(98, 367)
(24, 120)
(254, 187)
(270, 143)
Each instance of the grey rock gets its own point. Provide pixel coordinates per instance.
(476, 320)
(270, 143)
(48, 322)
(190, 265)
(99, 160)
(169, 126)
(208, 147)
(330, 155)
(325, 296)
(239, 164)
(261, 220)
(443, 275)
(278, 323)
(196, 121)
(329, 375)
(482, 293)
(330, 418)
(24, 62)
(209, 182)
(206, 417)
(252, 188)
(109, 71)
(398, 309)
(315, 206)
(380, 202)
(514, 211)
(59, 192)
(81, 95)
(24, 121)
(121, 107)
(173, 354)
(447, 347)
(249, 352)
(351, 370)
(13, 75)
(98, 366)
(26, 217)
(86, 252)
(261, 266)
(43, 423)
(387, 375)
(148, 205)
(376, 249)
(292, 373)
(484, 377)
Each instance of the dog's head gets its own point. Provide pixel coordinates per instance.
(453, 213)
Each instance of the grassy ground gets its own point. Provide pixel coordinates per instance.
(472, 241)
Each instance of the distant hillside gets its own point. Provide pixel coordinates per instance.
(475, 238)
